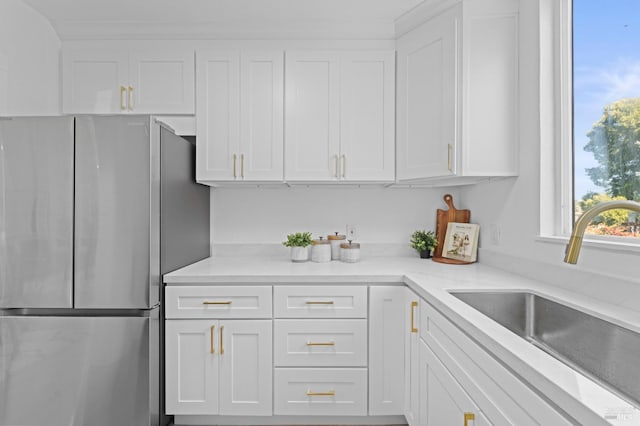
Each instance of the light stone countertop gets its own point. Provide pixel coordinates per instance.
(431, 280)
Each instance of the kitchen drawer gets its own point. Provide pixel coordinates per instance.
(320, 301)
(218, 302)
(320, 343)
(320, 391)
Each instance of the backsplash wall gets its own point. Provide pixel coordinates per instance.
(267, 215)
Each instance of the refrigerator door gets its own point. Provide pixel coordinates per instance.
(36, 212)
(184, 212)
(79, 370)
(113, 212)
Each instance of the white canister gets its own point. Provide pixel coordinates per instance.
(350, 252)
(299, 254)
(320, 251)
(335, 241)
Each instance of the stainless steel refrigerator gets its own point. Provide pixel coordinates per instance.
(93, 210)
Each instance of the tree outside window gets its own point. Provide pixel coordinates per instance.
(606, 80)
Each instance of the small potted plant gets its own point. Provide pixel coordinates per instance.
(424, 242)
(299, 243)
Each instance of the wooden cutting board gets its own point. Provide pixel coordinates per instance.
(443, 217)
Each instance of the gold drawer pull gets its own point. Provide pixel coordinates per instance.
(320, 302)
(130, 100)
(123, 90)
(414, 305)
(321, 343)
(330, 393)
(227, 302)
(221, 340)
(234, 165)
(467, 417)
(213, 350)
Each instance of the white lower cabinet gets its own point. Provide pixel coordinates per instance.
(411, 358)
(218, 367)
(442, 400)
(320, 343)
(320, 352)
(460, 380)
(387, 305)
(321, 391)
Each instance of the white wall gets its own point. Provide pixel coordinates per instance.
(266, 216)
(513, 205)
(30, 49)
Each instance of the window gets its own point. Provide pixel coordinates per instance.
(606, 111)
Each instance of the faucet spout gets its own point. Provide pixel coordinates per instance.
(575, 242)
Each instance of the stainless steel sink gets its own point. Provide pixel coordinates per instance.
(602, 350)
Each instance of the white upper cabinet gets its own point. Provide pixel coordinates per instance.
(108, 81)
(239, 119)
(339, 112)
(427, 99)
(458, 94)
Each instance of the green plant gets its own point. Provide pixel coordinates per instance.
(299, 239)
(423, 240)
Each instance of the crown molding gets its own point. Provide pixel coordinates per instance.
(420, 14)
(225, 30)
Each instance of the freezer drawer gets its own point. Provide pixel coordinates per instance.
(72, 371)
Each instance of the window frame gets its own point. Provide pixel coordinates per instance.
(557, 208)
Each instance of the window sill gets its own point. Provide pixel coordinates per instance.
(600, 244)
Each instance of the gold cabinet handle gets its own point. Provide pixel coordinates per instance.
(122, 96)
(414, 305)
(242, 166)
(449, 150)
(130, 98)
(321, 343)
(467, 417)
(234, 165)
(344, 165)
(211, 331)
(319, 302)
(226, 302)
(221, 344)
(330, 393)
(336, 171)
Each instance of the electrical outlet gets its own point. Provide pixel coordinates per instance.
(495, 234)
(351, 232)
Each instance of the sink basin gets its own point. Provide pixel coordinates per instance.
(597, 348)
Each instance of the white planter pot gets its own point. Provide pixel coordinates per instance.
(299, 254)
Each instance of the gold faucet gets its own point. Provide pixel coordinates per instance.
(575, 242)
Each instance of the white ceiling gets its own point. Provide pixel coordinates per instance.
(222, 18)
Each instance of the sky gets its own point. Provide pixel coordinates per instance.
(606, 67)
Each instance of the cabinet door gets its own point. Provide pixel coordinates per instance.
(412, 353)
(312, 116)
(367, 116)
(386, 350)
(490, 90)
(161, 81)
(191, 366)
(218, 115)
(246, 367)
(427, 76)
(94, 82)
(442, 400)
(262, 116)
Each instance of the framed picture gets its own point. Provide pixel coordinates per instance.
(461, 241)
